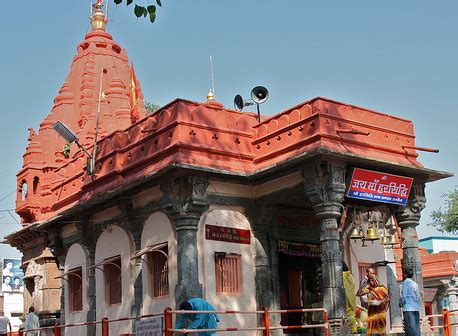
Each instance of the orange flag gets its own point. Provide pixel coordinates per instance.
(134, 114)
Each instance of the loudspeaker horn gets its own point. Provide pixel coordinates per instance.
(240, 103)
(259, 94)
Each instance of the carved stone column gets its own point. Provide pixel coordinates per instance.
(451, 292)
(61, 259)
(260, 217)
(136, 309)
(55, 245)
(187, 255)
(185, 200)
(396, 325)
(408, 218)
(91, 295)
(325, 188)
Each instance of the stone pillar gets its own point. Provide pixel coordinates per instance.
(187, 257)
(396, 325)
(325, 188)
(260, 217)
(408, 219)
(136, 309)
(451, 292)
(91, 295)
(185, 200)
(263, 275)
(61, 259)
(56, 247)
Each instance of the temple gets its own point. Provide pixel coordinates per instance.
(197, 199)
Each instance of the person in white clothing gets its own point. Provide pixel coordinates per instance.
(4, 324)
(31, 322)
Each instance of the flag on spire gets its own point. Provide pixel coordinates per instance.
(134, 114)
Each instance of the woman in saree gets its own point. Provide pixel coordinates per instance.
(350, 297)
(378, 303)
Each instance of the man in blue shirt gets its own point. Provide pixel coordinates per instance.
(410, 303)
(198, 320)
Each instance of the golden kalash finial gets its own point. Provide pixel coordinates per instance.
(210, 95)
(98, 20)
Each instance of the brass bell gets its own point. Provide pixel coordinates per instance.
(385, 240)
(355, 234)
(391, 240)
(372, 234)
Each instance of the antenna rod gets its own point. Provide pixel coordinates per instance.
(94, 150)
(106, 17)
(211, 74)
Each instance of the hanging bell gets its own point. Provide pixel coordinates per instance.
(355, 234)
(372, 234)
(391, 240)
(385, 240)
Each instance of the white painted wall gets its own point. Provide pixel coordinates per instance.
(440, 245)
(374, 252)
(112, 242)
(233, 218)
(13, 303)
(156, 230)
(76, 257)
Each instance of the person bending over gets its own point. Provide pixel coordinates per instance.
(198, 320)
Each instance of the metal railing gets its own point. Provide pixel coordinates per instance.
(449, 324)
(264, 325)
(265, 321)
(450, 318)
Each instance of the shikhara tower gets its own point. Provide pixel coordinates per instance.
(94, 101)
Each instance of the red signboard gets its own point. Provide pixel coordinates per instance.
(379, 187)
(227, 234)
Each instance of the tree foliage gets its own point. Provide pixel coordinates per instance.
(141, 10)
(151, 108)
(445, 219)
(66, 150)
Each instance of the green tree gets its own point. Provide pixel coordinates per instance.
(151, 108)
(142, 10)
(446, 219)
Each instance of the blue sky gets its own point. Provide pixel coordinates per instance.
(396, 57)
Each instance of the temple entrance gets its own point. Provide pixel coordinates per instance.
(298, 288)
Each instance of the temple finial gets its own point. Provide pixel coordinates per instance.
(98, 20)
(210, 95)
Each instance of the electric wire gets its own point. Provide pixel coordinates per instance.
(11, 192)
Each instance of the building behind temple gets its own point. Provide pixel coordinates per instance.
(200, 200)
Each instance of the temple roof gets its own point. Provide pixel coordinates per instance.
(434, 265)
(210, 138)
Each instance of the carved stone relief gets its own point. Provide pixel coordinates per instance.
(324, 182)
(33, 269)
